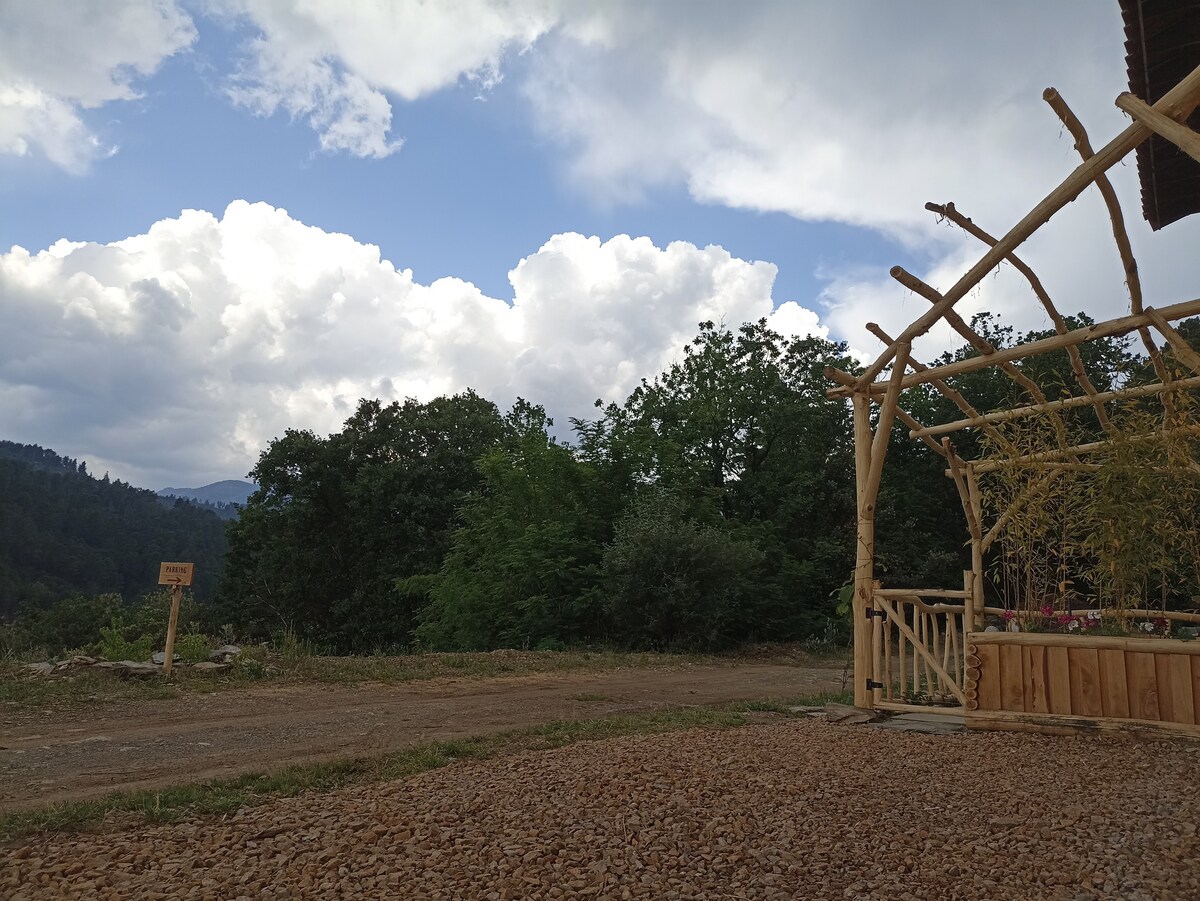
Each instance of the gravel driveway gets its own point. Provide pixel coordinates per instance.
(796, 809)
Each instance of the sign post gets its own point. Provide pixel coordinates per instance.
(176, 575)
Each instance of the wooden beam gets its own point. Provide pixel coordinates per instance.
(949, 211)
(945, 390)
(883, 428)
(982, 466)
(1180, 100)
(1111, 328)
(1116, 218)
(1177, 133)
(1065, 404)
(1179, 344)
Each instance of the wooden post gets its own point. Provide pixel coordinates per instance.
(172, 624)
(864, 561)
(876, 651)
(974, 601)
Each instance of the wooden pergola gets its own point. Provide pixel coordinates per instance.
(940, 652)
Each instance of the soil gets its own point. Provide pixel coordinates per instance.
(82, 752)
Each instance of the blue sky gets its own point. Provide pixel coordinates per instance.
(790, 146)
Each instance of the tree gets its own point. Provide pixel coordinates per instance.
(337, 521)
(523, 567)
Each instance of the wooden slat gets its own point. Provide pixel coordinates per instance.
(1174, 673)
(1196, 689)
(1143, 686)
(1084, 664)
(1027, 678)
(1058, 679)
(1012, 692)
(1114, 687)
(1051, 639)
(1040, 702)
(988, 689)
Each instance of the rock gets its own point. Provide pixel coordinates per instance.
(207, 666)
(991, 629)
(40, 669)
(225, 653)
(160, 657)
(126, 668)
(82, 660)
(844, 713)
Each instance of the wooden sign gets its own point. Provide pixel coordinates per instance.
(179, 574)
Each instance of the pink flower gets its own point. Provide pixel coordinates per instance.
(1065, 618)
(1047, 610)
(1010, 614)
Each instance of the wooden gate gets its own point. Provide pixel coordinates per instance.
(917, 647)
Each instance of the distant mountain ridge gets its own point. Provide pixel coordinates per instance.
(229, 491)
(64, 532)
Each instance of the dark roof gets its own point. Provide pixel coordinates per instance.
(1162, 45)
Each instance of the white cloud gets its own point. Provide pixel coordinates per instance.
(331, 63)
(178, 354)
(57, 60)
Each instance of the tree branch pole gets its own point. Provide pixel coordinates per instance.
(1179, 101)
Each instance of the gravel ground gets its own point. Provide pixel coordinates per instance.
(795, 809)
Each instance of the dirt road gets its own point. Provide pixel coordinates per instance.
(84, 752)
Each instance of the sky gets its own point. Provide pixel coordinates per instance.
(220, 219)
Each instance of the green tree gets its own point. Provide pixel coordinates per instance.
(523, 567)
(337, 521)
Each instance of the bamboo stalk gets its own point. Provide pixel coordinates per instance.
(1177, 133)
(1111, 328)
(1181, 98)
(1012, 509)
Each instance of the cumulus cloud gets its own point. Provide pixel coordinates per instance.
(56, 61)
(179, 353)
(333, 63)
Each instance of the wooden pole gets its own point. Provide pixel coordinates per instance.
(975, 601)
(1120, 233)
(1064, 404)
(1180, 100)
(876, 651)
(992, 465)
(865, 549)
(946, 391)
(172, 623)
(1177, 133)
(1179, 344)
(1111, 328)
(949, 211)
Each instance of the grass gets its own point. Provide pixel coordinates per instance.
(297, 665)
(223, 796)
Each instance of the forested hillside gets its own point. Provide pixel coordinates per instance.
(64, 532)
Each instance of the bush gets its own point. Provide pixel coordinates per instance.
(193, 648)
(114, 646)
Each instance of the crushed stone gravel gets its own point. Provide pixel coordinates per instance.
(797, 809)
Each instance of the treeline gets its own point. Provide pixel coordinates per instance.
(714, 506)
(64, 532)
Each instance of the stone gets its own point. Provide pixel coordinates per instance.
(40, 669)
(128, 668)
(844, 713)
(83, 660)
(208, 666)
(160, 657)
(225, 653)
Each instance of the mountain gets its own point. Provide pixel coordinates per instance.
(230, 491)
(64, 532)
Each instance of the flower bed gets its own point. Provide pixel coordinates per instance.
(1048, 682)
